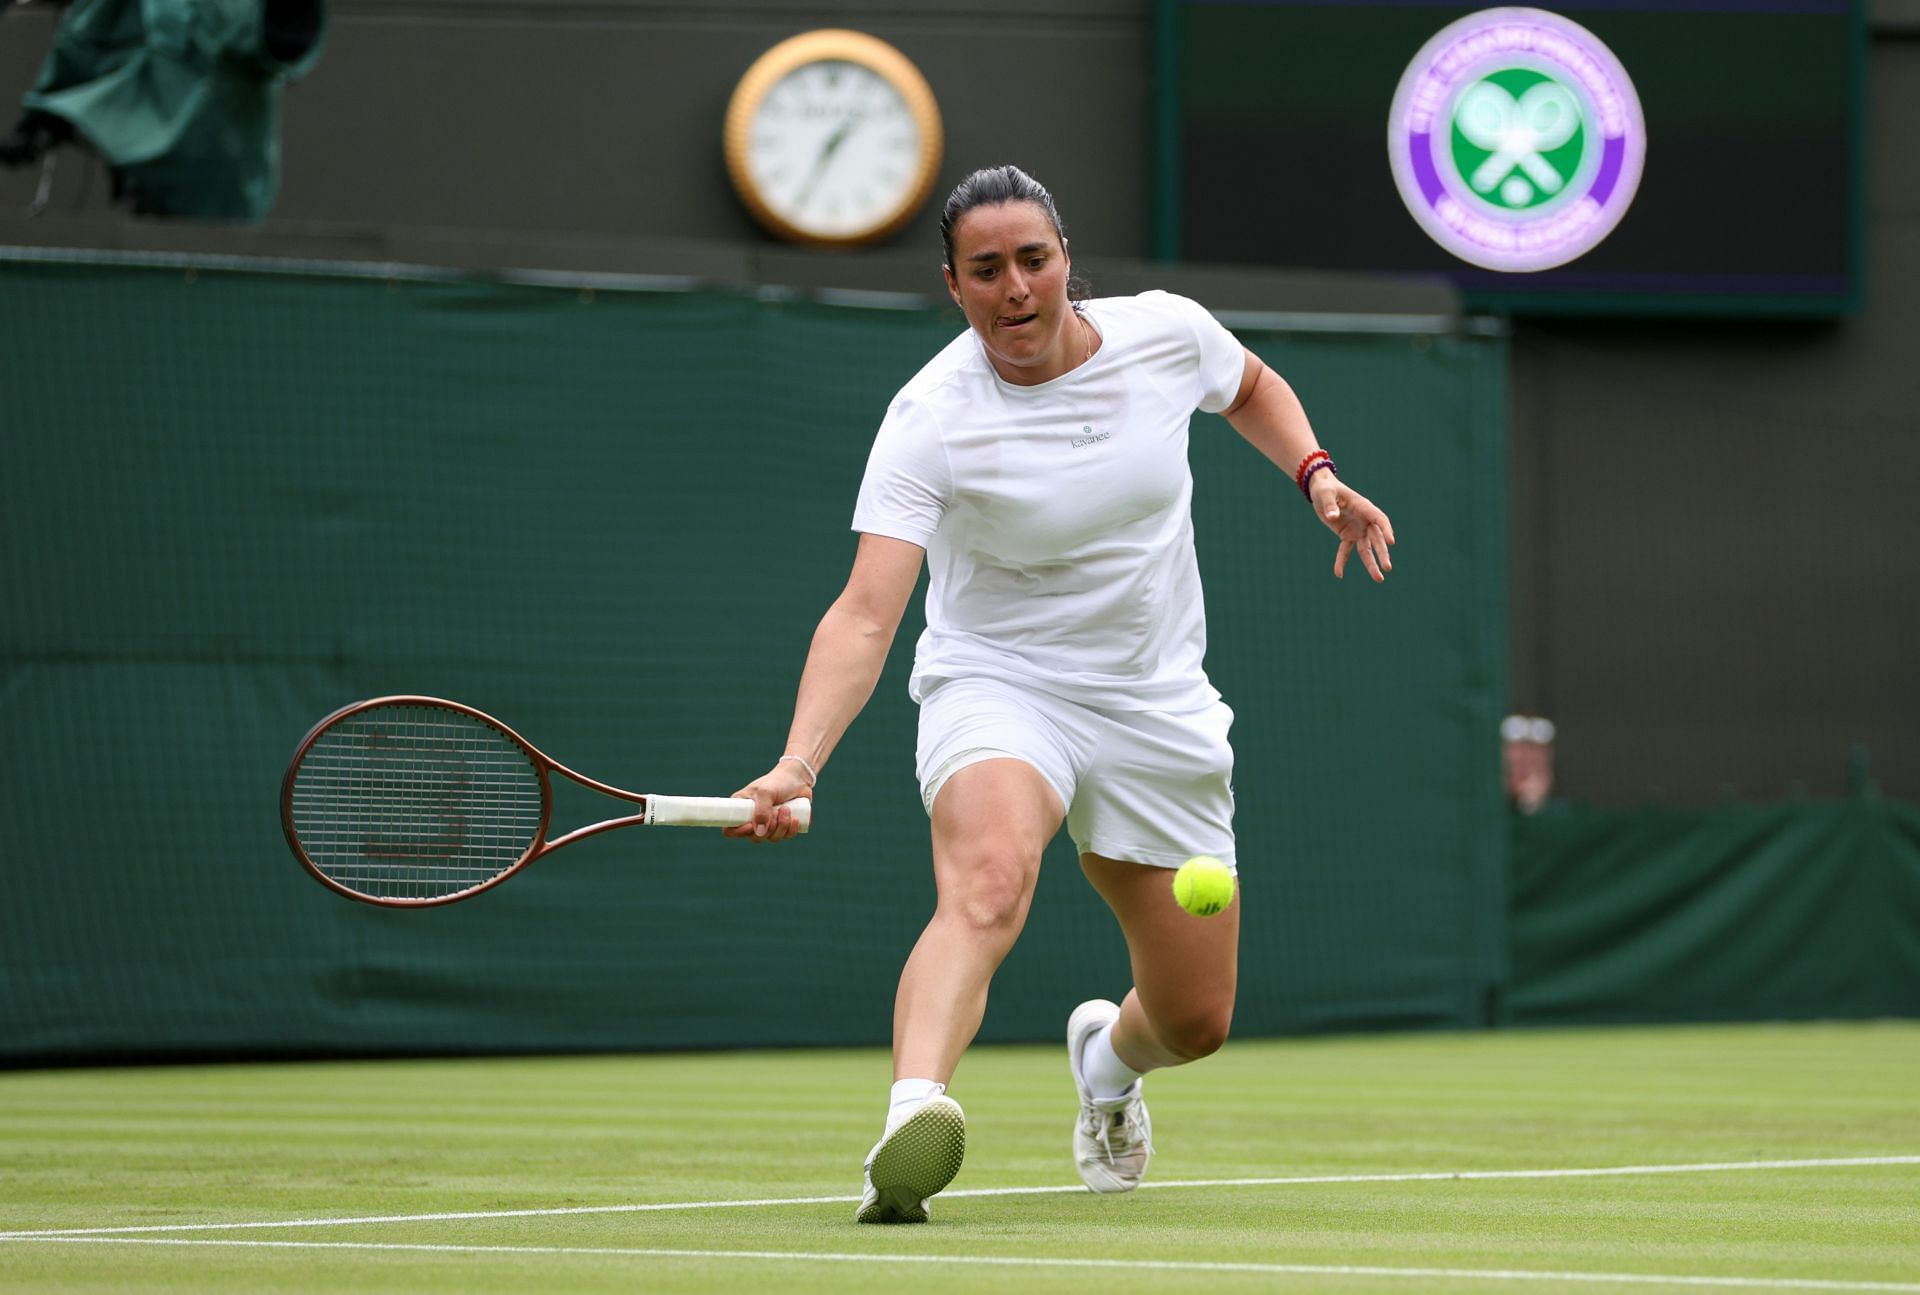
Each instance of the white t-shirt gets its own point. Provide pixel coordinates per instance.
(1056, 517)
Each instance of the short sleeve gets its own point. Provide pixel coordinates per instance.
(1223, 360)
(907, 485)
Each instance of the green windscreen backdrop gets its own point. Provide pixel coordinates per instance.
(232, 501)
(1735, 912)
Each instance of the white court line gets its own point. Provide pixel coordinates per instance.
(1020, 1261)
(1464, 1175)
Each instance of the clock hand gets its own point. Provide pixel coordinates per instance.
(827, 151)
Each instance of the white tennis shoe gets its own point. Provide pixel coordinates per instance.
(913, 1163)
(1112, 1137)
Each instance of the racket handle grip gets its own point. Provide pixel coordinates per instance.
(716, 811)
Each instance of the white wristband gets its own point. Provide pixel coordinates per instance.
(801, 760)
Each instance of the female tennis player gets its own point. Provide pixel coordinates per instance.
(1038, 463)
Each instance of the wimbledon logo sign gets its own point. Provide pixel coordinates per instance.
(1516, 139)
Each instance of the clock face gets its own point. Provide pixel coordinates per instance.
(833, 137)
(834, 149)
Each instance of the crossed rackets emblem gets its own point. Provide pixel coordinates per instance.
(1519, 132)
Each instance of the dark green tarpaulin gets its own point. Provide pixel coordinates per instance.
(1795, 910)
(182, 97)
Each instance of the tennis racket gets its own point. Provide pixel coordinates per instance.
(411, 801)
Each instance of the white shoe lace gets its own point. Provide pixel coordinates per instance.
(1101, 1123)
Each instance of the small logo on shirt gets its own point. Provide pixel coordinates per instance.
(1089, 437)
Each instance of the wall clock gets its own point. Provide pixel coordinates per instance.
(833, 138)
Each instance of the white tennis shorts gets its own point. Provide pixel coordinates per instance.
(1143, 786)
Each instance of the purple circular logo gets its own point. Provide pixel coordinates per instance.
(1516, 139)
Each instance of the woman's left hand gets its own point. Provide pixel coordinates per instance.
(1359, 523)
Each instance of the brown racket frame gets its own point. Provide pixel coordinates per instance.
(544, 766)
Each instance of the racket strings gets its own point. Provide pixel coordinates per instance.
(415, 802)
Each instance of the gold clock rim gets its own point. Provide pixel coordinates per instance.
(848, 46)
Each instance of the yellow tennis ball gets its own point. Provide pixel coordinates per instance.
(1203, 885)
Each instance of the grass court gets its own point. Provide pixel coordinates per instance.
(1739, 1158)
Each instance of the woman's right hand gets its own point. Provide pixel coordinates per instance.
(770, 792)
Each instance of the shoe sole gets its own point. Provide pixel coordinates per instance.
(917, 1160)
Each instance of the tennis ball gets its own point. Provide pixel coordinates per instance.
(1203, 885)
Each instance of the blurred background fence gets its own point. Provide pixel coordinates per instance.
(237, 500)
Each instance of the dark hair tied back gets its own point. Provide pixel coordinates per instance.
(990, 187)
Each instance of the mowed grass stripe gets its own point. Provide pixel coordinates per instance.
(1430, 1176)
(1020, 1261)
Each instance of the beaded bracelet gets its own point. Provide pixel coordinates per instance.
(1306, 478)
(801, 760)
(1300, 473)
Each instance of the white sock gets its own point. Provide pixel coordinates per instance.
(907, 1097)
(1106, 1075)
